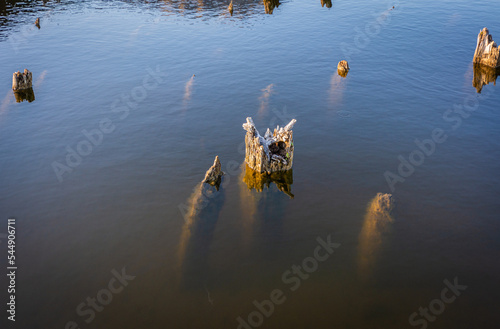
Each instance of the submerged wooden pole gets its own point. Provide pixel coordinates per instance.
(272, 152)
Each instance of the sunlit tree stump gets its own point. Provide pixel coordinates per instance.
(328, 3)
(271, 153)
(487, 52)
(269, 5)
(343, 68)
(214, 174)
(22, 81)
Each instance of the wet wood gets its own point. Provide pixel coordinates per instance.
(343, 68)
(487, 52)
(272, 152)
(214, 174)
(22, 81)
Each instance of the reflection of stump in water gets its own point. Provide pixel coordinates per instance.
(25, 95)
(270, 5)
(484, 75)
(377, 223)
(249, 202)
(263, 211)
(201, 217)
(328, 3)
(257, 181)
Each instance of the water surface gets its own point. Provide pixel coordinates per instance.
(122, 205)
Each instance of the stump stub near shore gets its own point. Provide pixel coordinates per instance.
(272, 152)
(22, 81)
(487, 52)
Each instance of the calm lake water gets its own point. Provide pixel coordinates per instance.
(128, 203)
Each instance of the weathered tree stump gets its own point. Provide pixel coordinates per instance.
(487, 52)
(214, 174)
(328, 3)
(382, 203)
(343, 68)
(269, 5)
(22, 81)
(271, 153)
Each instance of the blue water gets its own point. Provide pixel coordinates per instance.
(121, 205)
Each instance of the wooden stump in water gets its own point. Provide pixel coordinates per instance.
(22, 81)
(214, 174)
(269, 5)
(328, 3)
(487, 52)
(343, 68)
(271, 153)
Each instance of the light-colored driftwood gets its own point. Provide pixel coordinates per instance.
(271, 153)
(487, 52)
(214, 174)
(22, 81)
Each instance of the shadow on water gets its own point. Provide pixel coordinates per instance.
(484, 75)
(377, 225)
(204, 207)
